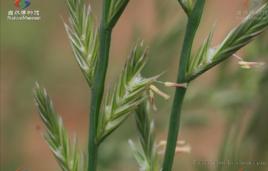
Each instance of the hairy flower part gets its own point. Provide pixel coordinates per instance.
(253, 25)
(187, 6)
(65, 151)
(145, 151)
(83, 35)
(115, 9)
(129, 92)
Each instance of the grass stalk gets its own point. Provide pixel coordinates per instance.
(174, 123)
(98, 88)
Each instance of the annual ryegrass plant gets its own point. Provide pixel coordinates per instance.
(133, 93)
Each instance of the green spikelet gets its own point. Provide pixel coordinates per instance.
(83, 36)
(145, 152)
(252, 26)
(127, 94)
(65, 151)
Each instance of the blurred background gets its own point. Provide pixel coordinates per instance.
(225, 114)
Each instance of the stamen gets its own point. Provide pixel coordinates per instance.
(152, 100)
(182, 147)
(246, 64)
(181, 142)
(249, 65)
(159, 92)
(178, 85)
(238, 57)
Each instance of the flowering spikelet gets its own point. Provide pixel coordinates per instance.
(127, 95)
(253, 25)
(83, 36)
(145, 151)
(64, 150)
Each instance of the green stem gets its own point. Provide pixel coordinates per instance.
(98, 89)
(174, 123)
(106, 28)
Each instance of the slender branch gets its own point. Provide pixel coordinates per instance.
(174, 124)
(98, 88)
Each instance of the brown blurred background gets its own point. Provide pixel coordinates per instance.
(225, 100)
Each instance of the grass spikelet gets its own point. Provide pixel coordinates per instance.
(252, 26)
(84, 38)
(64, 150)
(145, 152)
(127, 94)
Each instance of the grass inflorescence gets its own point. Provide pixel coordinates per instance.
(133, 92)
